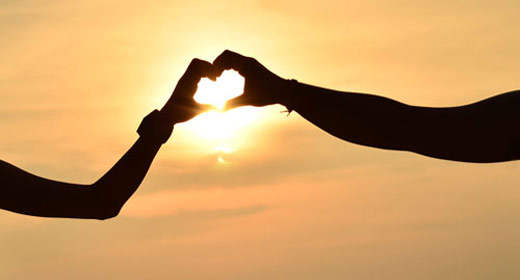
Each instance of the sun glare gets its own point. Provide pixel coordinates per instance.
(224, 131)
(230, 84)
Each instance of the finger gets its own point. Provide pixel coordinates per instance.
(197, 70)
(200, 69)
(238, 101)
(231, 60)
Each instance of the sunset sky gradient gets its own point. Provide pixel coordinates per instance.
(273, 197)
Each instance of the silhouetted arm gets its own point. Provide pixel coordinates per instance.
(29, 194)
(486, 131)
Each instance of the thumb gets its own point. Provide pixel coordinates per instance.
(236, 102)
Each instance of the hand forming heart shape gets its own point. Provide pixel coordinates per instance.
(229, 85)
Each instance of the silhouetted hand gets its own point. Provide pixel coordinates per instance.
(181, 106)
(262, 87)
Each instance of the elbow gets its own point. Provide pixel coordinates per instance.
(102, 205)
(514, 151)
(106, 215)
(101, 212)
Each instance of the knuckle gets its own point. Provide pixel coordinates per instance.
(250, 60)
(199, 64)
(196, 61)
(194, 64)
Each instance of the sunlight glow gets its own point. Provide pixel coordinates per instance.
(230, 84)
(223, 149)
(222, 131)
(223, 126)
(221, 160)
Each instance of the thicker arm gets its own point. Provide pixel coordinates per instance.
(485, 131)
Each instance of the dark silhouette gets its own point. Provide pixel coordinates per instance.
(485, 131)
(26, 193)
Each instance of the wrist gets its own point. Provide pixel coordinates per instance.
(155, 128)
(287, 93)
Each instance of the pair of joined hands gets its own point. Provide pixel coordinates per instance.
(484, 131)
(262, 87)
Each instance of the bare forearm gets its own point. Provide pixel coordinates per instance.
(481, 132)
(111, 191)
(359, 118)
(486, 131)
(25, 193)
(122, 180)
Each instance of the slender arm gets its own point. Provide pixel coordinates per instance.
(25, 193)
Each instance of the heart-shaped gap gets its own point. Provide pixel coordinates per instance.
(230, 84)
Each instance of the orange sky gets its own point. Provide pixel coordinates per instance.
(291, 202)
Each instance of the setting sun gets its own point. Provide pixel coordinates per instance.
(222, 131)
(253, 192)
(230, 84)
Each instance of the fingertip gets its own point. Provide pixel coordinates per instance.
(222, 61)
(203, 68)
(215, 73)
(197, 64)
(196, 60)
(212, 75)
(228, 52)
